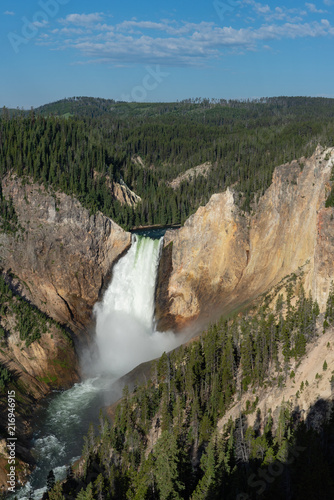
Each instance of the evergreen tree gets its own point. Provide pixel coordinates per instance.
(56, 492)
(329, 313)
(50, 481)
(86, 494)
(166, 467)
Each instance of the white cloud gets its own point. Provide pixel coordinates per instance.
(171, 43)
(277, 14)
(261, 9)
(40, 24)
(329, 2)
(9, 13)
(83, 19)
(312, 8)
(169, 27)
(74, 31)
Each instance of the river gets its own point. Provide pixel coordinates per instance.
(125, 336)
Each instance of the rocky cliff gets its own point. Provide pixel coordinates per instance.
(223, 258)
(60, 259)
(62, 255)
(47, 363)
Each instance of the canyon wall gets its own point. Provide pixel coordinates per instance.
(59, 258)
(62, 255)
(223, 258)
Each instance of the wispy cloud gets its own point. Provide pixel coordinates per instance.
(9, 13)
(167, 26)
(40, 24)
(83, 19)
(312, 8)
(282, 13)
(169, 42)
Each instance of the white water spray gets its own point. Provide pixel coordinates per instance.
(125, 330)
(126, 337)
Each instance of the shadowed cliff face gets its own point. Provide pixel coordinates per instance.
(63, 256)
(222, 259)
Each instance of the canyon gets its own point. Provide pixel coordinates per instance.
(223, 259)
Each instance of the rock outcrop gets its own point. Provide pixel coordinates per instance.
(223, 258)
(124, 195)
(119, 190)
(191, 174)
(62, 255)
(49, 363)
(202, 263)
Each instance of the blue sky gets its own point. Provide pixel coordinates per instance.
(164, 51)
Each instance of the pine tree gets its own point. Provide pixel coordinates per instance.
(50, 481)
(206, 486)
(143, 483)
(241, 445)
(99, 487)
(329, 314)
(166, 467)
(56, 492)
(86, 494)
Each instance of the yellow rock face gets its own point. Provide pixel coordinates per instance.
(222, 259)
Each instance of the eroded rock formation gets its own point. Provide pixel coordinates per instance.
(223, 258)
(60, 259)
(62, 255)
(49, 363)
(202, 263)
(124, 195)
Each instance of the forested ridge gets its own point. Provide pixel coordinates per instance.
(164, 444)
(80, 145)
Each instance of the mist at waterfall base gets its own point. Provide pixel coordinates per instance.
(126, 337)
(125, 330)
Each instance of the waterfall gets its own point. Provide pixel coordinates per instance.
(125, 332)
(126, 337)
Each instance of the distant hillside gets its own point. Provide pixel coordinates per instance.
(93, 107)
(10, 112)
(64, 144)
(79, 106)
